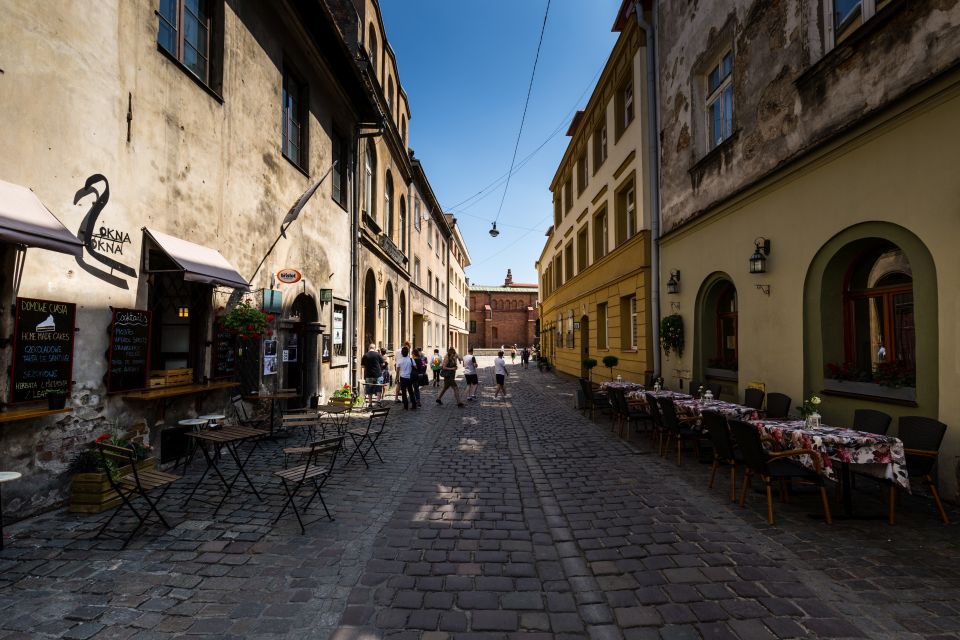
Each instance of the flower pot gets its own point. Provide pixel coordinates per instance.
(92, 493)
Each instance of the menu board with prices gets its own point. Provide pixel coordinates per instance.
(224, 353)
(128, 359)
(42, 350)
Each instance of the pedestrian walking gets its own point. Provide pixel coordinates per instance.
(513, 355)
(373, 365)
(525, 358)
(470, 374)
(406, 369)
(420, 378)
(449, 374)
(500, 372)
(436, 363)
(396, 366)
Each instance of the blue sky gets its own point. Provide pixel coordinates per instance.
(465, 65)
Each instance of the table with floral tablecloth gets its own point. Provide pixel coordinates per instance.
(621, 384)
(729, 410)
(876, 455)
(641, 395)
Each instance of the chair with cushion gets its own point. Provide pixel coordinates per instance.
(724, 453)
(871, 421)
(770, 465)
(921, 439)
(753, 398)
(778, 406)
(678, 428)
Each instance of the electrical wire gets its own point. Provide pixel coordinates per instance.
(523, 118)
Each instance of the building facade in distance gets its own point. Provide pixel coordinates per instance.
(503, 315)
(458, 303)
(594, 268)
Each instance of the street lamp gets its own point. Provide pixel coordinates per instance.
(493, 231)
(673, 284)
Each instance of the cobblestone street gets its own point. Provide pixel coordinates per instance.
(504, 517)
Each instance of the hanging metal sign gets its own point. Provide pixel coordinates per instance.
(289, 276)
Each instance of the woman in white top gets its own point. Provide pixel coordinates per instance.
(406, 369)
(500, 370)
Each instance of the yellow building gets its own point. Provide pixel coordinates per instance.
(594, 268)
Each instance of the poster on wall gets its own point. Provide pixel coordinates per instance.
(43, 336)
(269, 357)
(128, 358)
(326, 348)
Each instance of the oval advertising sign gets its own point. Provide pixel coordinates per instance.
(289, 276)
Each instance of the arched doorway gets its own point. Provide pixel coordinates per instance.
(388, 325)
(369, 310)
(584, 345)
(302, 370)
(403, 318)
(716, 348)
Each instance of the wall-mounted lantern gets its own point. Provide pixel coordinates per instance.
(758, 261)
(673, 284)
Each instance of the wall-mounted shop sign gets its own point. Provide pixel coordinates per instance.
(289, 276)
(128, 359)
(42, 350)
(107, 240)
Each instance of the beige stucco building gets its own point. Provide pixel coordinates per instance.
(594, 268)
(820, 138)
(458, 303)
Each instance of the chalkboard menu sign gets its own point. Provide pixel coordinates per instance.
(42, 350)
(128, 360)
(224, 353)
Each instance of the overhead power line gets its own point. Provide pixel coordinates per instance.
(526, 104)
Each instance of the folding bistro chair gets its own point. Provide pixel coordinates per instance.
(376, 423)
(139, 482)
(313, 470)
(241, 416)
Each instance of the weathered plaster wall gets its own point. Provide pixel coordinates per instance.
(789, 93)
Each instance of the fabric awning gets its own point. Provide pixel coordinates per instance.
(25, 220)
(199, 263)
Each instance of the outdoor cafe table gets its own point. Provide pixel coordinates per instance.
(729, 410)
(338, 414)
(872, 454)
(642, 395)
(272, 397)
(229, 438)
(621, 384)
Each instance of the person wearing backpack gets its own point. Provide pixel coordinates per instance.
(436, 364)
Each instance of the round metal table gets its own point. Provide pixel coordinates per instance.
(6, 476)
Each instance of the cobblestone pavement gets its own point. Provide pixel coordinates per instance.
(515, 516)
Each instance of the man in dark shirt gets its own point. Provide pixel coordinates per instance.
(373, 364)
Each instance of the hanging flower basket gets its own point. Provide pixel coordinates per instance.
(671, 334)
(247, 322)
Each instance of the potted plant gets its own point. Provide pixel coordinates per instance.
(671, 334)
(90, 489)
(589, 364)
(610, 362)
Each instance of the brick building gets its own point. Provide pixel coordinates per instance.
(503, 315)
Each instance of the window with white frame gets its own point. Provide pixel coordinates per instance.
(845, 16)
(416, 214)
(720, 100)
(416, 270)
(430, 232)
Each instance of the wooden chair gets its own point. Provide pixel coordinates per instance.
(628, 411)
(659, 431)
(775, 465)
(778, 406)
(724, 453)
(678, 428)
(315, 471)
(310, 422)
(138, 482)
(921, 439)
(753, 398)
(376, 423)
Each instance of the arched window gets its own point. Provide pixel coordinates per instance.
(878, 310)
(403, 131)
(390, 94)
(388, 206)
(372, 47)
(388, 316)
(370, 180)
(403, 224)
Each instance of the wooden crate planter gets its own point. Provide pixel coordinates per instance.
(170, 377)
(92, 493)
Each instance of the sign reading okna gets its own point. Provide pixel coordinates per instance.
(42, 350)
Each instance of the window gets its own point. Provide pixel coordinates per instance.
(879, 332)
(430, 232)
(372, 47)
(726, 352)
(403, 131)
(624, 106)
(340, 169)
(567, 196)
(557, 210)
(720, 100)
(416, 214)
(436, 245)
(437, 290)
(581, 172)
(390, 94)
(599, 145)
(558, 270)
(416, 271)
(628, 322)
(845, 16)
(403, 225)
(369, 180)
(600, 234)
(184, 31)
(570, 337)
(626, 213)
(602, 326)
(582, 251)
(568, 261)
(429, 281)
(294, 128)
(388, 206)
(473, 326)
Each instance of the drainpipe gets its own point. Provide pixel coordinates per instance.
(653, 163)
(360, 134)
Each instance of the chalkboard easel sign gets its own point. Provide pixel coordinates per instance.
(42, 350)
(224, 353)
(128, 360)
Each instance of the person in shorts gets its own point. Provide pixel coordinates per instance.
(500, 371)
(448, 372)
(470, 374)
(525, 358)
(436, 364)
(373, 365)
